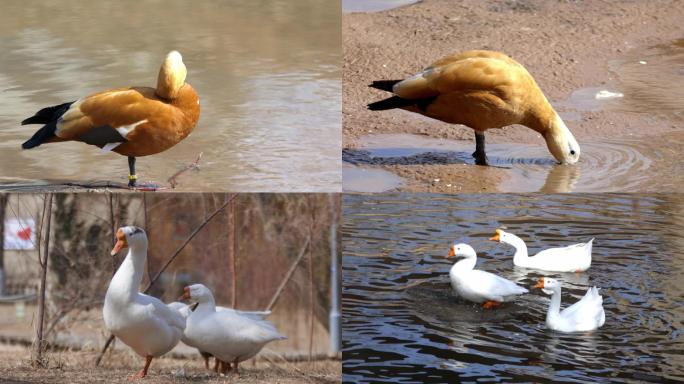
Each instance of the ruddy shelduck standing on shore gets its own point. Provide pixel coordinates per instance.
(133, 121)
(482, 90)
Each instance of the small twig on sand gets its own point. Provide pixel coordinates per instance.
(169, 261)
(278, 291)
(43, 259)
(194, 165)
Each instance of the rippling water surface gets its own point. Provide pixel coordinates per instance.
(267, 72)
(402, 323)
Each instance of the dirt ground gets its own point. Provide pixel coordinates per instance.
(79, 367)
(565, 44)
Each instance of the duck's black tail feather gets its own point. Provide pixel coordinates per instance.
(385, 85)
(390, 103)
(47, 116)
(43, 134)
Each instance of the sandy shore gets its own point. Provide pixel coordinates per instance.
(566, 45)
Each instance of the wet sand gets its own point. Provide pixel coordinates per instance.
(567, 46)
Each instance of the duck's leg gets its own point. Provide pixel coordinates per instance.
(237, 371)
(216, 364)
(225, 367)
(490, 304)
(132, 178)
(479, 154)
(143, 372)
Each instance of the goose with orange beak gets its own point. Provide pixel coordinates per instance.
(572, 258)
(482, 90)
(479, 286)
(131, 121)
(142, 322)
(585, 315)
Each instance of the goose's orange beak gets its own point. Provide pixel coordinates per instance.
(496, 237)
(120, 243)
(186, 294)
(540, 283)
(451, 252)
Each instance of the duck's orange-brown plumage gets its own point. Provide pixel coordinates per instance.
(133, 121)
(483, 90)
(167, 122)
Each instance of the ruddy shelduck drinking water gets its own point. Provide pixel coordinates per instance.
(132, 121)
(482, 90)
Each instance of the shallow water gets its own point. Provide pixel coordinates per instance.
(402, 323)
(349, 6)
(368, 180)
(267, 72)
(634, 165)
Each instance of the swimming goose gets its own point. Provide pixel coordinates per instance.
(144, 323)
(479, 286)
(572, 258)
(230, 336)
(482, 90)
(585, 315)
(186, 309)
(132, 121)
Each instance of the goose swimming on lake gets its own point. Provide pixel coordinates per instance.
(585, 315)
(479, 286)
(132, 121)
(572, 258)
(142, 322)
(482, 90)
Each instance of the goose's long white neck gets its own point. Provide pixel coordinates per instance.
(208, 304)
(126, 281)
(464, 265)
(554, 307)
(521, 256)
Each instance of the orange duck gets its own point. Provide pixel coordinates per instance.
(133, 121)
(482, 90)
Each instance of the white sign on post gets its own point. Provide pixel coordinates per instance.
(20, 234)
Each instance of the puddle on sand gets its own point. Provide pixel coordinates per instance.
(630, 165)
(349, 6)
(369, 180)
(649, 80)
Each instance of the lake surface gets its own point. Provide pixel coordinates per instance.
(402, 323)
(267, 72)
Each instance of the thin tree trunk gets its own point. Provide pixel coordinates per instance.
(3, 204)
(47, 215)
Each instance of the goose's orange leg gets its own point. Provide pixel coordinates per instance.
(143, 372)
(490, 304)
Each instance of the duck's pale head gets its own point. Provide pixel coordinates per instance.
(547, 285)
(127, 237)
(561, 142)
(462, 250)
(196, 292)
(171, 76)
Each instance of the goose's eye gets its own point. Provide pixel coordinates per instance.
(572, 152)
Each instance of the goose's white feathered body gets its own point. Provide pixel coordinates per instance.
(143, 322)
(479, 286)
(572, 258)
(587, 314)
(229, 335)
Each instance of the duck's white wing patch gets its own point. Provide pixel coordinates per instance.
(109, 146)
(125, 130)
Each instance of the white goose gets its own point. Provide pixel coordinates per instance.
(585, 315)
(142, 322)
(573, 258)
(479, 286)
(185, 310)
(230, 336)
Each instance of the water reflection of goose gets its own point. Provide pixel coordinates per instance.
(561, 179)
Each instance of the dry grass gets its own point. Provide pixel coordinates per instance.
(78, 367)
